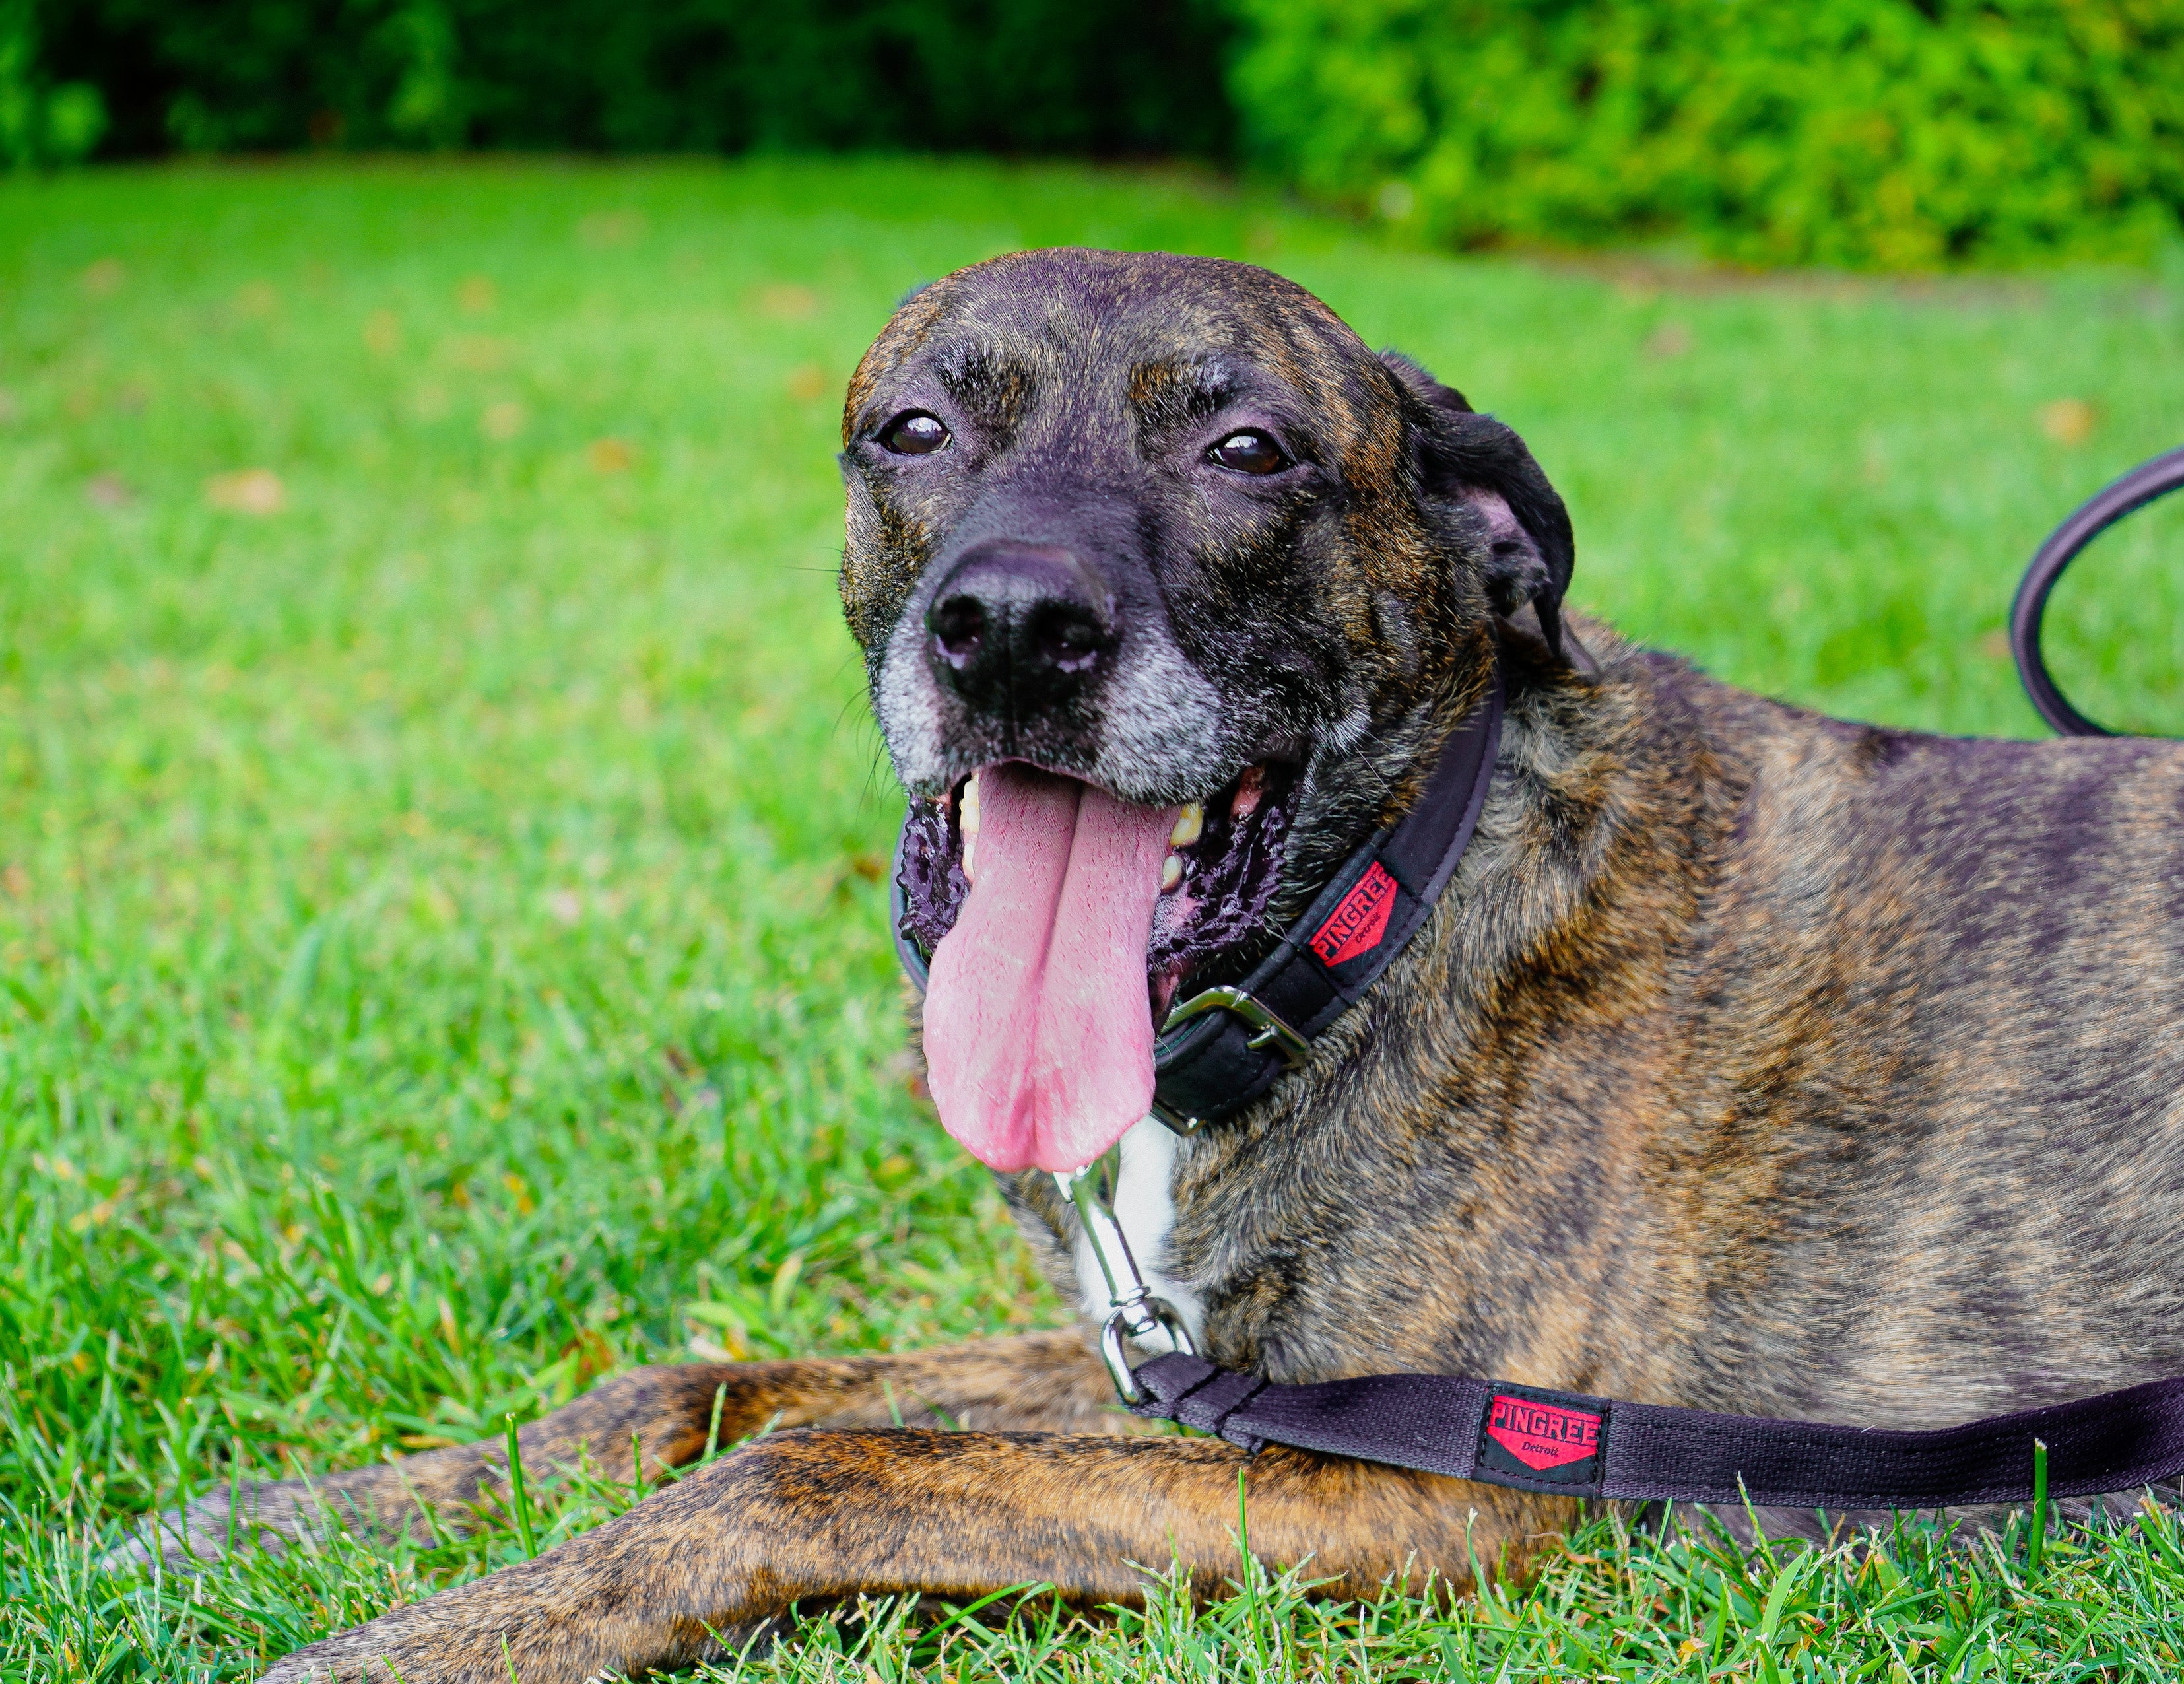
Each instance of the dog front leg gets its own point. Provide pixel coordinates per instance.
(805, 1517)
(666, 1416)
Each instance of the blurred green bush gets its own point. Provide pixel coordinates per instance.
(42, 120)
(1866, 132)
(1128, 77)
(1889, 133)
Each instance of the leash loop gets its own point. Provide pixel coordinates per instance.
(2125, 496)
(1136, 1312)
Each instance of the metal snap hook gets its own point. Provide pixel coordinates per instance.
(1137, 1313)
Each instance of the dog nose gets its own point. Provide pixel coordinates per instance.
(1017, 629)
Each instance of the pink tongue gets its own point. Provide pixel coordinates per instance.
(1039, 1038)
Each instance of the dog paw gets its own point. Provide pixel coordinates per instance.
(268, 1516)
(569, 1616)
(408, 1647)
(324, 1664)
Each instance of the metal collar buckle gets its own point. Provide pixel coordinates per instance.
(1272, 1030)
(1136, 1313)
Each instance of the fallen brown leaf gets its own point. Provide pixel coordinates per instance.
(479, 353)
(2068, 421)
(1669, 339)
(605, 228)
(787, 303)
(246, 491)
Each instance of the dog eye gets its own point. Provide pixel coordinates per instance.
(914, 433)
(1249, 452)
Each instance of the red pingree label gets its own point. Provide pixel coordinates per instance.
(1356, 925)
(1541, 1435)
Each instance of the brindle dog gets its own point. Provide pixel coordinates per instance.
(1754, 1060)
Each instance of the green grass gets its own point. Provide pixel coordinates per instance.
(442, 950)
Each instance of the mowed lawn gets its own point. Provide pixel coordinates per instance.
(441, 904)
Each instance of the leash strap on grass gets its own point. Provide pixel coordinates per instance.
(1566, 1442)
(1219, 1060)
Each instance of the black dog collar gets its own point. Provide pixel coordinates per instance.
(1221, 1049)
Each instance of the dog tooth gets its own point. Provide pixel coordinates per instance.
(1171, 872)
(1188, 824)
(968, 817)
(970, 847)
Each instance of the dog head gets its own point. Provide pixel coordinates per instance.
(1152, 560)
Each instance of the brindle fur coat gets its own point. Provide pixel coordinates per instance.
(1754, 1060)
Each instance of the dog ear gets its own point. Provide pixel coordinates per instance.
(1473, 469)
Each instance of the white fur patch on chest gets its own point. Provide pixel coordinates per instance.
(1145, 1209)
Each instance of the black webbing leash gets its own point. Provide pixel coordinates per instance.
(1564, 1443)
